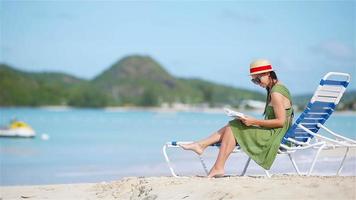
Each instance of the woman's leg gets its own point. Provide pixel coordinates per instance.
(199, 146)
(228, 143)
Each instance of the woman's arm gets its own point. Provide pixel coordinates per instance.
(279, 112)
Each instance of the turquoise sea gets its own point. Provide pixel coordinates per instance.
(94, 145)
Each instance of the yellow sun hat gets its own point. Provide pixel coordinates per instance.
(260, 66)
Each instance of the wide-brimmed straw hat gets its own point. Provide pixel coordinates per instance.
(260, 66)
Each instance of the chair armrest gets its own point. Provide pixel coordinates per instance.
(303, 145)
(337, 142)
(336, 135)
(326, 138)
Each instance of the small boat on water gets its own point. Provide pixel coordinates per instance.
(17, 129)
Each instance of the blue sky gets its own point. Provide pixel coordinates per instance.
(213, 40)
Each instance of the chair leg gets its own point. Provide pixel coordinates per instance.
(203, 164)
(342, 162)
(294, 164)
(168, 161)
(268, 174)
(246, 166)
(315, 158)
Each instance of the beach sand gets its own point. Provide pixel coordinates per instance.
(199, 188)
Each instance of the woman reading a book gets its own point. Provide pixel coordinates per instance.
(260, 139)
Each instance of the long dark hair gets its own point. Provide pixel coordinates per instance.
(274, 78)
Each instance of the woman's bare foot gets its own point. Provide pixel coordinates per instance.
(216, 173)
(196, 147)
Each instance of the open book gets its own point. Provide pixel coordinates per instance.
(233, 113)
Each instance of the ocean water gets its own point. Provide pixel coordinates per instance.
(94, 145)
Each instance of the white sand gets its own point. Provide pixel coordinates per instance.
(277, 187)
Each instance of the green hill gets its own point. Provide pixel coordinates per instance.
(140, 80)
(18, 88)
(132, 81)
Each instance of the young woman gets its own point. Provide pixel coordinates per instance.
(259, 139)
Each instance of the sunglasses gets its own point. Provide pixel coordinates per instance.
(256, 80)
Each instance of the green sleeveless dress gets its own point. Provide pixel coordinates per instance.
(259, 143)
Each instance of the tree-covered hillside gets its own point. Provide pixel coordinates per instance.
(132, 81)
(19, 88)
(139, 80)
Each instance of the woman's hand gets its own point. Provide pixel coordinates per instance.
(248, 121)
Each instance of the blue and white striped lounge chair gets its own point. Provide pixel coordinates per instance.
(303, 134)
(320, 108)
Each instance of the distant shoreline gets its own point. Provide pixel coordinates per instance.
(159, 109)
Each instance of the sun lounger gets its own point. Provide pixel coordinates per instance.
(320, 108)
(303, 134)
